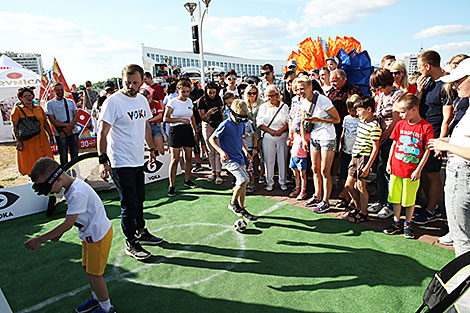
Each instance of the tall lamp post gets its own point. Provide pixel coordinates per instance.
(191, 8)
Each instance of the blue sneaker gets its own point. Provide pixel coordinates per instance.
(425, 217)
(100, 310)
(87, 306)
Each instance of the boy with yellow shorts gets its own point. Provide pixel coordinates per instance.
(406, 160)
(86, 212)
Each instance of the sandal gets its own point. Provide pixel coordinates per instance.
(342, 204)
(359, 218)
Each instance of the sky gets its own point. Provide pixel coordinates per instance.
(93, 40)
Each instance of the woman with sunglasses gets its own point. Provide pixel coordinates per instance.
(210, 109)
(400, 77)
(30, 150)
(273, 117)
(382, 81)
(182, 134)
(231, 79)
(252, 98)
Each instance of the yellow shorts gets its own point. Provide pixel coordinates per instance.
(403, 191)
(95, 255)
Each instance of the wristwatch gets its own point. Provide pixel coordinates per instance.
(103, 158)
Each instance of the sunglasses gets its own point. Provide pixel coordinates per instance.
(231, 78)
(270, 96)
(395, 73)
(252, 93)
(266, 73)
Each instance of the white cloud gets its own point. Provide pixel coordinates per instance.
(457, 47)
(252, 34)
(82, 54)
(320, 13)
(171, 29)
(150, 27)
(443, 30)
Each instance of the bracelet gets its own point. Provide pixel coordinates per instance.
(103, 158)
(152, 149)
(255, 148)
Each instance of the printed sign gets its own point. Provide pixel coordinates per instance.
(83, 143)
(19, 201)
(159, 169)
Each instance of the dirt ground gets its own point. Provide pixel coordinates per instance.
(9, 175)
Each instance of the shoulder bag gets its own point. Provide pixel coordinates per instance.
(307, 125)
(28, 126)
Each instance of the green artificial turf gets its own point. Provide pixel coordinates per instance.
(290, 260)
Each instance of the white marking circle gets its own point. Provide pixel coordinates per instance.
(225, 229)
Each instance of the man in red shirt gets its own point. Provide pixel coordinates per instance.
(154, 88)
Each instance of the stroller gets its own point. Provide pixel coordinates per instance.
(447, 291)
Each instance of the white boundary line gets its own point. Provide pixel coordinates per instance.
(112, 278)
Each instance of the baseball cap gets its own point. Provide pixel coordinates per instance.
(109, 85)
(334, 59)
(314, 71)
(462, 70)
(291, 63)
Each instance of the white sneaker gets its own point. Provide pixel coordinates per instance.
(446, 240)
(269, 188)
(386, 212)
(283, 187)
(374, 208)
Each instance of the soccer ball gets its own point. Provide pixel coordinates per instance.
(240, 225)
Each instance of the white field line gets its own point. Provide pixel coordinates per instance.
(121, 275)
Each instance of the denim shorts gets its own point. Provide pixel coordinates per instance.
(298, 163)
(156, 129)
(238, 171)
(324, 145)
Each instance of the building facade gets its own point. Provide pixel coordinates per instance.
(411, 62)
(32, 61)
(243, 67)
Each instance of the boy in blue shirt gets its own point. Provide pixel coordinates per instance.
(228, 141)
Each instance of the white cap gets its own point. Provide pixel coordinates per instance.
(292, 63)
(462, 70)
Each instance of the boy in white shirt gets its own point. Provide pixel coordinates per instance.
(86, 211)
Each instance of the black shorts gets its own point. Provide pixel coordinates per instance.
(433, 165)
(345, 160)
(181, 136)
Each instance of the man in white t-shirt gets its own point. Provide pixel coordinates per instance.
(123, 127)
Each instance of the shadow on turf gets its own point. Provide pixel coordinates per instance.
(321, 225)
(367, 266)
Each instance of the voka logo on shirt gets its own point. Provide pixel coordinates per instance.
(137, 114)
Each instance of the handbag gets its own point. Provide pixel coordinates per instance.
(28, 126)
(307, 125)
(61, 129)
(260, 140)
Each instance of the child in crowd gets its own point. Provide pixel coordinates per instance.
(298, 160)
(407, 157)
(227, 140)
(228, 100)
(250, 140)
(348, 137)
(86, 211)
(364, 152)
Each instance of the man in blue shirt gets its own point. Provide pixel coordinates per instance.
(436, 109)
(228, 141)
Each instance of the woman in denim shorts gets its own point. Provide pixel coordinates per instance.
(155, 121)
(322, 143)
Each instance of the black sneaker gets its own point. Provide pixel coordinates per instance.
(190, 184)
(392, 229)
(171, 191)
(146, 238)
(248, 216)
(198, 168)
(136, 251)
(235, 208)
(408, 232)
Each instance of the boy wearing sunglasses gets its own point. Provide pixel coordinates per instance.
(86, 212)
(228, 141)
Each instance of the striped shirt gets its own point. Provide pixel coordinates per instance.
(367, 132)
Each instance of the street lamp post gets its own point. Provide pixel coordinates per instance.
(191, 7)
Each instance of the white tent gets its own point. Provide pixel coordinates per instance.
(12, 77)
